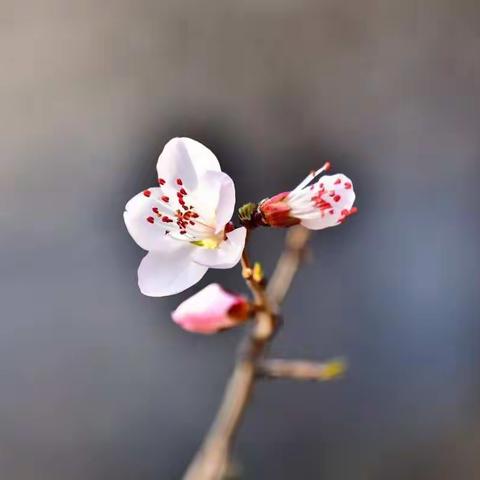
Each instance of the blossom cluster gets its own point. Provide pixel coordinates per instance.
(185, 225)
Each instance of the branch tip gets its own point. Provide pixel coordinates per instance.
(302, 369)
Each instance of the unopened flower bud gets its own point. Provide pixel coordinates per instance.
(211, 310)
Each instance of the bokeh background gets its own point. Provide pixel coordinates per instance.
(96, 381)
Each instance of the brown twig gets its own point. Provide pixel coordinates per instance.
(288, 264)
(301, 369)
(212, 459)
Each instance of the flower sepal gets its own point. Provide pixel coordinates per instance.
(275, 212)
(250, 216)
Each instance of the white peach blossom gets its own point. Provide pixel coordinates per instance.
(184, 222)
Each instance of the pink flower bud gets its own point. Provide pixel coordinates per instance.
(211, 309)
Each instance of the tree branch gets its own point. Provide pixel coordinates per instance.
(301, 369)
(212, 459)
(288, 264)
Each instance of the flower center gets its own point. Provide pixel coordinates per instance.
(175, 211)
(210, 243)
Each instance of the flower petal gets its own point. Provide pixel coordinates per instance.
(341, 196)
(137, 210)
(215, 198)
(226, 203)
(209, 310)
(169, 271)
(186, 159)
(228, 253)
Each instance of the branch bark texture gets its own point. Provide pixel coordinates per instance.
(212, 459)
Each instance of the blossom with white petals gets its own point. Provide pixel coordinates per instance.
(316, 203)
(211, 309)
(184, 222)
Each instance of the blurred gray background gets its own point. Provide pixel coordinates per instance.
(96, 381)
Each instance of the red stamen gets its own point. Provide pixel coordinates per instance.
(150, 220)
(161, 181)
(337, 198)
(147, 193)
(348, 185)
(321, 203)
(347, 213)
(179, 181)
(165, 198)
(337, 181)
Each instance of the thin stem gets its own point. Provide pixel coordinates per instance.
(212, 459)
